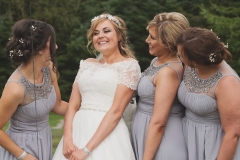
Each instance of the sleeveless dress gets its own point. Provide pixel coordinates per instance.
(202, 127)
(172, 145)
(97, 84)
(29, 127)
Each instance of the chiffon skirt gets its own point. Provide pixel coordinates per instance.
(172, 145)
(38, 145)
(116, 146)
(203, 139)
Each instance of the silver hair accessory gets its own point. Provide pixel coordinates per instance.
(20, 54)
(108, 16)
(11, 53)
(212, 57)
(33, 28)
(21, 40)
(226, 46)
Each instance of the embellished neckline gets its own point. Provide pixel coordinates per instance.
(38, 90)
(43, 79)
(214, 74)
(197, 84)
(152, 69)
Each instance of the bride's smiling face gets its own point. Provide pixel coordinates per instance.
(105, 38)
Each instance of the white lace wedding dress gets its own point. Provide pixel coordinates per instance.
(97, 83)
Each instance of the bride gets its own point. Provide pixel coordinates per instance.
(94, 128)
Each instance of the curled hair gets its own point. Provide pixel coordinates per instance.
(198, 43)
(121, 32)
(168, 28)
(30, 41)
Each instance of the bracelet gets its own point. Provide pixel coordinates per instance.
(87, 151)
(22, 155)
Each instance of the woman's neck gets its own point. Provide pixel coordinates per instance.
(32, 71)
(112, 58)
(166, 58)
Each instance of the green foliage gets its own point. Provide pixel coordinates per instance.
(225, 21)
(5, 69)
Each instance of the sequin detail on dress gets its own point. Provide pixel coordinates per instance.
(41, 90)
(197, 84)
(152, 70)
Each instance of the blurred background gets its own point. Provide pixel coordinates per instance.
(71, 19)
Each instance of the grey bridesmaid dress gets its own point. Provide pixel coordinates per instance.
(172, 145)
(202, 125)
(29, 127)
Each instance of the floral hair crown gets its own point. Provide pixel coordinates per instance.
(109, 17)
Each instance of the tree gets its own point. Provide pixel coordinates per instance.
(225, 21)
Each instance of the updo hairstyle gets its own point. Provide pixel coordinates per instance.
(203, 46)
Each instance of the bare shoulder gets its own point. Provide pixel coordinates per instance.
(167, 72)
(13, 90)
(228, 83)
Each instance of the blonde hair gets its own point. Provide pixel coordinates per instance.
(168, 27)
(121, 33)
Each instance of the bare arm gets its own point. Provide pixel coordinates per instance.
(60, 106)
(228, 101)
(166, 83)
(7, 108)
(74, 104)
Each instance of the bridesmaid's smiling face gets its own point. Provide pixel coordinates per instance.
(156, 45)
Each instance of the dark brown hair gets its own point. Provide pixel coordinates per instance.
(33, 41)
(198, 43)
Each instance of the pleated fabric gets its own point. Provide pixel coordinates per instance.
(202, 127)
(29, 127)
(172, 145)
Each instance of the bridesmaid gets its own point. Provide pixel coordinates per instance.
(30, 93)
(157, 128)
(210, 92)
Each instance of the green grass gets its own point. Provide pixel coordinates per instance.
(56, 133)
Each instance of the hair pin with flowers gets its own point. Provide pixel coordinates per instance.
(20, 54)
(108, 16)
(33, 28)
(21, 40)
(226, 46)
(212, 57)
(11, 53)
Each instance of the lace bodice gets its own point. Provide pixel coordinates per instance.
(98, 82)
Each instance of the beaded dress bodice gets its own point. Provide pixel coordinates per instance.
(146, 88)
(41, 90)
(198, 85)
(31, 110)
(198, 95)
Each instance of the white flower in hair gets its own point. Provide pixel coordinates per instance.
(108, 16)
(11, 53)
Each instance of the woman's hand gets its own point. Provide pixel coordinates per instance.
(79, 155)
(29, 157)
(69, 148)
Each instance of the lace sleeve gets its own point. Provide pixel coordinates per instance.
(81, 68)
(130, 75)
